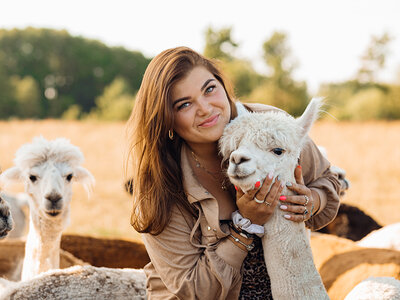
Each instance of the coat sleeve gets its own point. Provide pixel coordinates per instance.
(318, 177)
(189, 271)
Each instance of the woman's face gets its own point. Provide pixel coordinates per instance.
(201, 107)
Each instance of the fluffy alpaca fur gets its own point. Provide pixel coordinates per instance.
(6, 221)
(376, 288)
(386, 237)
(253, 144)
(47, 169)
(17, 203)
(79, 282)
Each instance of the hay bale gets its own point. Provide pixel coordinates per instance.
(106, 252)
(343, 264)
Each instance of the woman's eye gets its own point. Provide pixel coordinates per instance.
(69, 177)
(210, 89)
(32, 178)
(278, 151)
(183, 105)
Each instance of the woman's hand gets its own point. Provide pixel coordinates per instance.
(301, 206)
(259, 213)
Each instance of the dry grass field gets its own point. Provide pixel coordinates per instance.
(369, 152)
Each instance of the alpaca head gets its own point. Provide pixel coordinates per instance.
(255, 144)
(6, 222)
(48, 169)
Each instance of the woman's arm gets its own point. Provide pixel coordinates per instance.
(192, 272)
(318, 177)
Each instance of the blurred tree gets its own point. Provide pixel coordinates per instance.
(374, 58)
(27, 96)
(364, 98)
(8, 103)
(68, 70)
(221, 46)
(74, 112)
(280, 89)
(115, 104)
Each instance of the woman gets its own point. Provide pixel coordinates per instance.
(183, 202)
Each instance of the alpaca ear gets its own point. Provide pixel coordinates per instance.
(84, 177)
(241, 110)
(310, 115)
(9, 175)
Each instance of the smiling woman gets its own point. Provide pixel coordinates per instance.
(183, 202)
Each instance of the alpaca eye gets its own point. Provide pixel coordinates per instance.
(69, 177)
(32, 178)
(278, 151)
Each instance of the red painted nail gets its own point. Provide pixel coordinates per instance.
(299, 167)
(258, 183)
(283, 198)
(236, 188)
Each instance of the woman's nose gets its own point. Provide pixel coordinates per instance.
(204, 107)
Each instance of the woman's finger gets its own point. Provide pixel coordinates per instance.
(298, 199)
(298, 175)
(300, 189)
(239, 192)
(263, 191)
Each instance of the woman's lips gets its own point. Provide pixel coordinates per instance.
(210, 121)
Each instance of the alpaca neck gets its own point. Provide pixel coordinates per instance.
(42, 248)
(289, 259)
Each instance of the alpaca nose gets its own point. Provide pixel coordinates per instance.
(53, 198)
(238, 158)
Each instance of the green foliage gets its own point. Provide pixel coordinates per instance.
(219, 44)
(115, 103)
(374, 58)
(244, 78)
(8, 104)
(281, 89)
(27, 96)
(293, 100)
(352, 100)
(73, 112)
(67, 70)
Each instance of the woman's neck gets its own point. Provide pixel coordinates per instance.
(206, 154)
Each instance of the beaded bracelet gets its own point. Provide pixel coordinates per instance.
(248, 247)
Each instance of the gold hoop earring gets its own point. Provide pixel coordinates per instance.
(171, 134)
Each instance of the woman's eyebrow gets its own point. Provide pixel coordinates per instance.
(179, 100)
(201, 89)
(206, 83)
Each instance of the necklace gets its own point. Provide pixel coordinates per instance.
(216, 175)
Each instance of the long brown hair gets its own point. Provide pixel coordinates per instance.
(155, 158)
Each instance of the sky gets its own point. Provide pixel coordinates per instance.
(327, 38)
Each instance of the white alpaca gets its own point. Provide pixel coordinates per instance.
(17, 203)
(376, 288)
(256, 144)
(47, 169)
(79, 282)
(386, 237)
